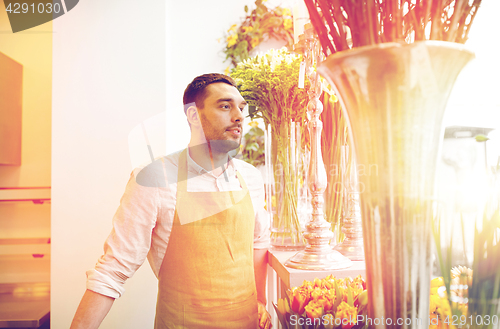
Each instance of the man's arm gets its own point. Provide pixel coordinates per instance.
(260, 269)
(92, 310)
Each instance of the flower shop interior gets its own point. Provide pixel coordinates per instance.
(375, 125)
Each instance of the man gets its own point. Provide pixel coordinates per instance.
(198, 217)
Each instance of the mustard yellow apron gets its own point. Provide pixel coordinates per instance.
(207, 278)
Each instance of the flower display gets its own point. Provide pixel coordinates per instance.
(324, 303)
(260, 24)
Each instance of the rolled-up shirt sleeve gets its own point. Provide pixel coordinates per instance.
(128, 245)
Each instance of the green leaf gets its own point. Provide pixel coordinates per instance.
(253, 147)
(349, 296)
(481, 138)
(338, 297)
(281, 317)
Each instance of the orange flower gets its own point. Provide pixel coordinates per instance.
(348, 314)
(326, 302)
(317, 283)
(356, 291)
(359, 281)
(316, 293)
(314, 310)
(300, 298)
(328, 282)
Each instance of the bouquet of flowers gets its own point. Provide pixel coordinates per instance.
(345, 24)
(269, 83)
(326, 303)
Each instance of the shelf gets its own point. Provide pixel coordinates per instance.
(37, 195)
(24, 241)
(24, 268)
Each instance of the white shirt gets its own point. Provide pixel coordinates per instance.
(143, 221)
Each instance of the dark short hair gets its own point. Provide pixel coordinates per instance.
(195, 91)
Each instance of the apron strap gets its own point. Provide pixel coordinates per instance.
(182, 172)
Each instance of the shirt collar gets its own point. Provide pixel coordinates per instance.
(197, 169)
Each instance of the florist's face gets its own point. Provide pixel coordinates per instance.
(221, 116)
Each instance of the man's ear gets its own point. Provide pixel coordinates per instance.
(192, 116)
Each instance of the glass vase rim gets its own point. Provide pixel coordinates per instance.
(396, 45)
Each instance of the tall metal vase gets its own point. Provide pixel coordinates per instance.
(394, 96)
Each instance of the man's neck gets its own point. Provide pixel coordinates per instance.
(209, 159)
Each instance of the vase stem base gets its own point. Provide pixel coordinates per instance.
(314, 261)
(351, 250)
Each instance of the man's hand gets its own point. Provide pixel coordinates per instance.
(264, 317)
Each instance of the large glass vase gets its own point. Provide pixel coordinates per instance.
(394, 96)
(287, 156)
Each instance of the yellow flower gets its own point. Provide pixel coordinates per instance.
(287, 12)
(231, 40)
(253, 124)
(232, 28)
(437, 282)
(227, 70)
(434, 303)
(254, 42)
(287, 23)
